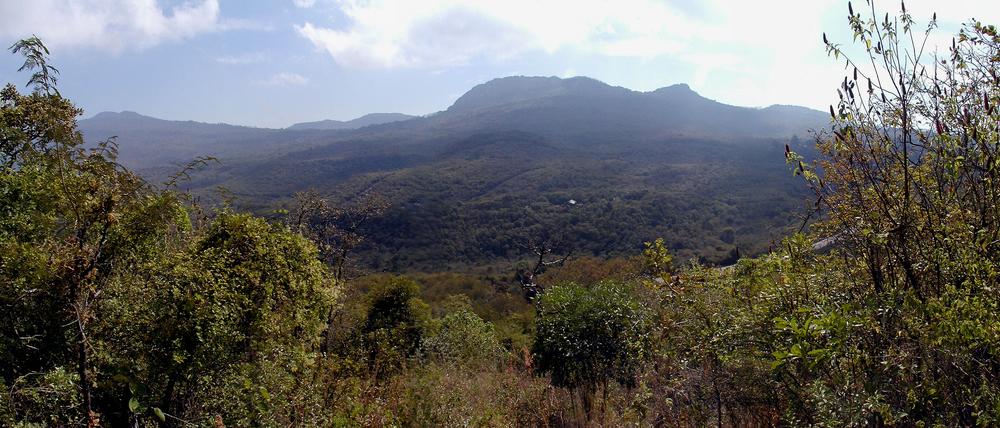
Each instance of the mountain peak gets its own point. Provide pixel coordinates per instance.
(124, 114)
(677, 89)
(515, 89)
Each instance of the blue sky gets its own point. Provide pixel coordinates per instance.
(273, 63)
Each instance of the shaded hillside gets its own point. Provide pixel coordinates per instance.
(157, 147)
(476, 183)
(486, 196)
(149, 144)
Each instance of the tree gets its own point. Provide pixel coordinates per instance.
(336, 231)
(908, 184)
(657, 260)
(36, 55)
(244, 304)
(113, 303)
(589, 337)
(527, 277)
(74, 221)
(394, 325)
(461, 337)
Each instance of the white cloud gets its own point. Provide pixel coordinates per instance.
(284, 79)
(243, 59)
(404, 33)
(744, 52)
(113, 25)
(390, 34)
(304, 3)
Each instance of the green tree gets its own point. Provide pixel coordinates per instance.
(112, 303)
(238, 319)
(908, 185)
(589, 337)
(462, 338)
(657, 261)
(74, 222)
(394, 325)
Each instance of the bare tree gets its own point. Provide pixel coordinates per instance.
(546, 257)
(337, 231)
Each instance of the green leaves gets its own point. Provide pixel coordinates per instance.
(36, 59)
(463, 338)
(813, 340)
(159, 414)
(394, 325)
(657, 259)
(588, 336)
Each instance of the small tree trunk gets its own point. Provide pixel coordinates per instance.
(81, 369)
(604, 404)
(587, 395)
(77, 306)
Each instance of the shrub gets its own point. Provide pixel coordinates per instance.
(588, 337)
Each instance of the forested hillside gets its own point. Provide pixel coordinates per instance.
(478, 183)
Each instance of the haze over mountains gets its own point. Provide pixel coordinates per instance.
(546, 105)
(361, 122)
(475, 183)
(147, 142)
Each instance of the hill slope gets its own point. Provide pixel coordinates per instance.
(474, 184)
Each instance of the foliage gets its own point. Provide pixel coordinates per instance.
(895, 324)
(657, 259)
(588, 337)
(45, 399)
(245, 304)
(908, 175)
(443, 395)
(336, 231)
(36, 59)
(587, 270)
(394, 325)
(462, 337)
(75, 222)
(452, 212)
(724, 338)
(115, 310)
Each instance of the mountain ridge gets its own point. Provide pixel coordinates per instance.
(470, 185)
(359, 122)
(556, 86)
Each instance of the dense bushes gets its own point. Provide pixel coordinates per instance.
(462, 337)
(589, 337)
(118, 309)
(394, 325)
(896, 324)
(245, 305)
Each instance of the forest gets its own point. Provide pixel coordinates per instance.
(126, 301)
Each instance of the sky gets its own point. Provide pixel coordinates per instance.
(272, 63)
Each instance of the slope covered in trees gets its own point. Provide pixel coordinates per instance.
(475, 184)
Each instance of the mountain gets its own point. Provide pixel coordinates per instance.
(479, 182)
(361, 122)
(158, 147)
(582, 105)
